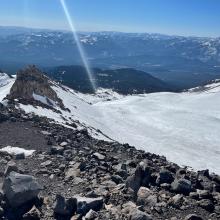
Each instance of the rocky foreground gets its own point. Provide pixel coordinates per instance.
(74, 176)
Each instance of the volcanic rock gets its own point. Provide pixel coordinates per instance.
(65, 206)
(164, 176)
(31, 81)
(181, 186)
(84, 204)
(20, 189)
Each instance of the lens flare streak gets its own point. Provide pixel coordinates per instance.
(79, 46)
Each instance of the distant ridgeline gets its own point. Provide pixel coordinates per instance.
(185, 62)
(124, 81)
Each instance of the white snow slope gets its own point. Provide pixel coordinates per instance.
(5, 85)
(184, 127)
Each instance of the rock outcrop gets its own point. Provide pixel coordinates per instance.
(32, 85)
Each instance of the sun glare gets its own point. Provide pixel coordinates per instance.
(79, 45)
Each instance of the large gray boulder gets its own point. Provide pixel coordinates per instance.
(20, 189)
(183, 186)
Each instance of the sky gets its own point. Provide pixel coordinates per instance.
(174, 17)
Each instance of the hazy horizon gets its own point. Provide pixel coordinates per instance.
(197, 18)
(99, 31)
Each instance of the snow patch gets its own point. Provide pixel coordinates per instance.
(17, 150)
(101, 95)
(5, 85)
(43, 99)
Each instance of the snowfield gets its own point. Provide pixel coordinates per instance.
(184, 127)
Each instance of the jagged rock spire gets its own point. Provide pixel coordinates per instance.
(31, 81)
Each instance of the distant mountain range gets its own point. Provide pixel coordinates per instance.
(181, 61)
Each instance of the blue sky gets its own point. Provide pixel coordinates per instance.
(181, 17)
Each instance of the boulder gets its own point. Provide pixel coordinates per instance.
(183, 186)
(84, 204)
(64, 206)
(20, 189)
(164, 176)
(205, 183)
(141, 177)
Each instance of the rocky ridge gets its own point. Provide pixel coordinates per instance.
(32, 86)
(74, 176)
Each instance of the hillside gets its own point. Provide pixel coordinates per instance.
(71, 162)
(124, 81)
(163, 123)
